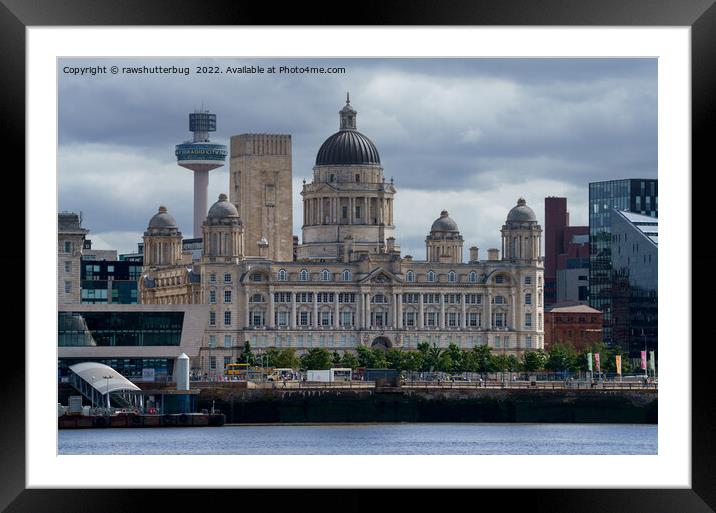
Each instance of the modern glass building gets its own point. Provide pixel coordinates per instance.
(130, 338)
(637, 195)
(109, 281)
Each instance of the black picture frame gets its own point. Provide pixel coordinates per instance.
(700, 15)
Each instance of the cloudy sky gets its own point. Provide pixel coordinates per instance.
(467, 135)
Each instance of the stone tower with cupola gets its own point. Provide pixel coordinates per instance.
(348, 207)
(444, 242)
(521, 235)
(223, 233)
(162, 241)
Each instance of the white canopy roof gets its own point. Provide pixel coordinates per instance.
(102, 377)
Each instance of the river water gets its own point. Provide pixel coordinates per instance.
(346, 439)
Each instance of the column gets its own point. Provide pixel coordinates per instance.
(271, 319)
(246, 316)
(365, 210)
(321, 215)
(336, 313)
(315, 310)
(488, 310)
(359, 310)
(400, 310)
(442, 311)
(351, 210)
(367, 310)
(513, 310)
(464, 310)
(293, 310)
(421, 324)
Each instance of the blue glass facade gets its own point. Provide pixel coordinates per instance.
(119, 329)
(634, 195)
(110, 281)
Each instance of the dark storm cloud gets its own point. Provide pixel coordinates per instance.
(439, 124)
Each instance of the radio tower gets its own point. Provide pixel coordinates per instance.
(201, 156)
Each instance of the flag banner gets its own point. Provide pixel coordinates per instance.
(589, 361)
(619, 364)
(652, 364)
(596, 360)
(643, 360)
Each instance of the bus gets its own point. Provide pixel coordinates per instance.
(236, 370)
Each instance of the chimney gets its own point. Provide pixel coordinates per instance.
(473, 254)
(493, 254)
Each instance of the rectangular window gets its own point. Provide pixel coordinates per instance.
(452, 319)
(528, 342)
(497, 341)
(431, 319)
(409, 319)
(227, 318)
(344, 211)
(304, 318)
(68, 287)
(304, 297)
(472, 319)
(227, 296)
(212, 318)
(346, 298)
(227, 340)
(227, 278)
(499, 320)
(473, 299)
(212, 296)
(68, 247)
(528, 299)
(326, 318)
(528, 280)
(212, 278)
(212, 363)
(68, 266)
(212, 341)
(357, 211)
(528, 320)
(282, 319)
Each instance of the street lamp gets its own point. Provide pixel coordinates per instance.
(107, 391)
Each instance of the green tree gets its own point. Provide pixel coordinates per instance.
(349, 360)
(456, 358)
(562, 358)
(499, 362)
(285, 358)
(534, 360)
(513, 363)
(481, 356)
(433, 358)
(336, 358)
(317, 358)
(413, 361)
(247, 356)
(395, 359)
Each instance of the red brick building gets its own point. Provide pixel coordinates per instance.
(573, 324)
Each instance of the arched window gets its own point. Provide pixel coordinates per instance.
(451, 276)
(431, 276)
(500, 278)
(346, 276)
(282, 275)
(325, 275)
(303, 276)
(378, 298)
(410, 276)
(472, 277)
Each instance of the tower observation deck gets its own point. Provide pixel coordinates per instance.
(201, 156)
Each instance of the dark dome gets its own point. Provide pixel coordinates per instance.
(222, 208)
(162, 220)
(347, 147)
(521, 213)
(444, 223)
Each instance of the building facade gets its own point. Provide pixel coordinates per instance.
(70, 244)
(348, 284)
(640, 196)
(566, 262)
(634, 286)
(572, 324)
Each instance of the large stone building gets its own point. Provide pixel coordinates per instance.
(70, 244)
(348, 284)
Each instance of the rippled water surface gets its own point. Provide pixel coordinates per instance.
(368, 439)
